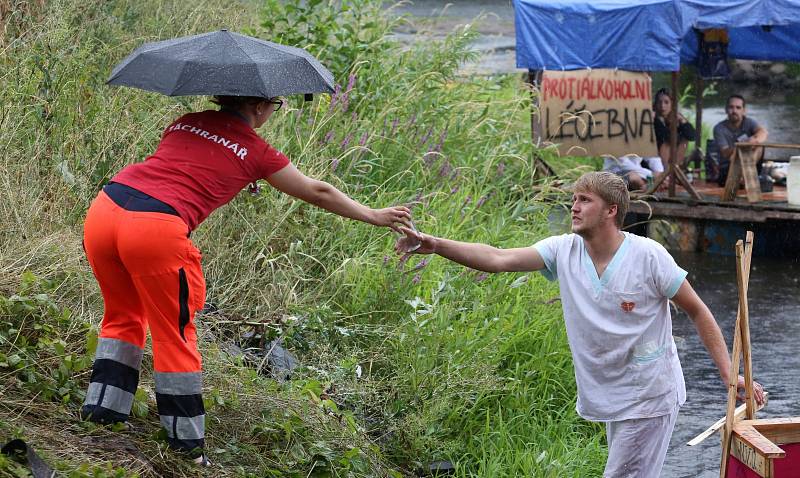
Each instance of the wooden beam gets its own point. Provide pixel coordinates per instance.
(698, 102)
(737, 416)
(749, 455)
(742, 280)
(698, 113)
(779, 430)
(673, 134)
(734, 174)
(710, 211)
(744, 250)
(685, 183)
(747, 431)
(772, 145)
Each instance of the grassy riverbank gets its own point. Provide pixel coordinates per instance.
(403, 363)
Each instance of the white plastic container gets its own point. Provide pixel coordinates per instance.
(793, 181)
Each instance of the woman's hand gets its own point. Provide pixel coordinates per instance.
(391, 217)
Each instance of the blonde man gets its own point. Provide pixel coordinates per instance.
(615, 292)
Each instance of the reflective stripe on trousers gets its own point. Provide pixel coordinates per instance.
(180, 408)
(115, 376)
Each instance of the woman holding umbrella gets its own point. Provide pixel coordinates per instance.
(136, 238)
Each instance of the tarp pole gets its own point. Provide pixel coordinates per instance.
(533, 81)
(698, 115)
(542, 168)
(698, 107)
(673, 134)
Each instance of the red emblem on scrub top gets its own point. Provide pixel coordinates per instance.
(627, 306)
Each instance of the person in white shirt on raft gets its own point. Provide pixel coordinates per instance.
(615, 291)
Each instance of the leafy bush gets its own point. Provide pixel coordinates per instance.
(37, 343)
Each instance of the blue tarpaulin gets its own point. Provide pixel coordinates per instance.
(766, 30)
(649, 35)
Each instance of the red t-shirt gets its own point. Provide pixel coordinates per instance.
(203, 160)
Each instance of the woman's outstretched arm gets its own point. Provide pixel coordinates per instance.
(319, 193)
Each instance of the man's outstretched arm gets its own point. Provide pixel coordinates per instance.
(475, 255)
(708, 330)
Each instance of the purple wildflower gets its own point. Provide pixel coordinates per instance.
(481, 277)
(336, 91)
(442, 137)
(416, 279)
(454, 190)
(482, 200)
(346, 97)
(422, 264)
(346, 140)
(429, 158)
(426, 136)
(403, 261)
(445, 170)
(334, 164)
(464, 206)
(363, 140)
(385, 260)
(328, 137)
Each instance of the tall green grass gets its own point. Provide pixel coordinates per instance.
(405, 362)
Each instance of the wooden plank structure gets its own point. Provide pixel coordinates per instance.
(743, 164)
(751, 447)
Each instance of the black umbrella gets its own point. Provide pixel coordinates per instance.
(222, 63)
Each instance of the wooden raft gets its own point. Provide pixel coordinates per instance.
(752, 448)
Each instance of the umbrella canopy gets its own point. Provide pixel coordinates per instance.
(222, 63)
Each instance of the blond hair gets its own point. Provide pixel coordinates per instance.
(611, 189)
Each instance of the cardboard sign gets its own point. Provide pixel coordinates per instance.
(598, 112)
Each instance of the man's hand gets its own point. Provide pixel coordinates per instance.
(753, 140)
(391, 217)
(758, 391)
(414, 242)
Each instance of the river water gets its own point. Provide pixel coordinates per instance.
(774, 295)
(774, 303)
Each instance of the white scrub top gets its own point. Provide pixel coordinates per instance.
(619, 326)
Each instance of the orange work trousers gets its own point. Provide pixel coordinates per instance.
(150, 276)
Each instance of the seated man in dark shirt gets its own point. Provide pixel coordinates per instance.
(738, 128)
(662, 106)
